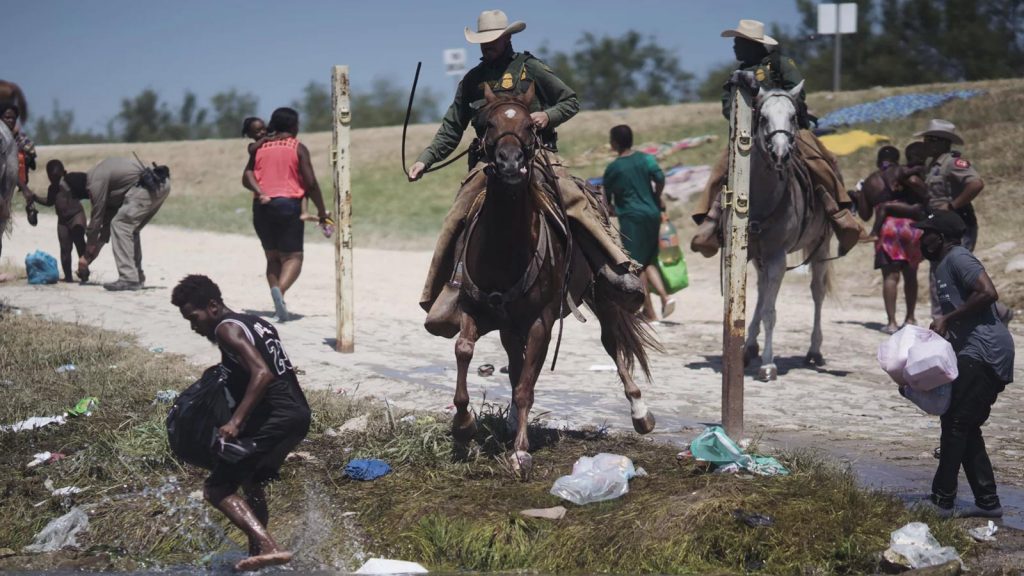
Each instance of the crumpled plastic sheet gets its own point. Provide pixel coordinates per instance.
(60, 532)
(714, 445)
(914, 546)
(899, 106)
(603, 477)
(33, 423)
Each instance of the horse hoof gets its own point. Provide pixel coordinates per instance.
(522, 464)
(768, 373)
(814, 359)
(749, 353)
(465, 431)
(644, 425)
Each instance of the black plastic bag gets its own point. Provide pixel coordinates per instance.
(201, 407)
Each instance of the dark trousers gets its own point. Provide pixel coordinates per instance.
(974, 392)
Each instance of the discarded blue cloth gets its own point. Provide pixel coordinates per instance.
(366, 469)
(892, 107)
(41, 268)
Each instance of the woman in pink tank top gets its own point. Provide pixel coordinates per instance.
(280, 174)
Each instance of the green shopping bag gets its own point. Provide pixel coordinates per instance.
(671, 262)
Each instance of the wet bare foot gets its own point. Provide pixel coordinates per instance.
(253, 563)
(890, 329)
(910, 320)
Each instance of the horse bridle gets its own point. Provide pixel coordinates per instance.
(766, 139)
(489, 147)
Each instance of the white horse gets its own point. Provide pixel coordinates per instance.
(786, 215)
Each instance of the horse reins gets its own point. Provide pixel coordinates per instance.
(405, 128)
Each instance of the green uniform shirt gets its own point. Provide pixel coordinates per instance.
(764, 74)
(511, 73)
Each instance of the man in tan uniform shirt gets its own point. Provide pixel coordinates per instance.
(123, 202)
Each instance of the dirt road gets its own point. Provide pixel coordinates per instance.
(848, 408)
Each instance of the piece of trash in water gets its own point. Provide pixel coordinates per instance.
(485, 370)
(913, 546)
(553, 513)
(752, 519)
(165, 396)
(366, 469)
(85, 406)
(33, 423)
(65, 369)
(603, 477)
(387, 566)
(984, 533)
(60, 532)
(157, 349)
(602, 368)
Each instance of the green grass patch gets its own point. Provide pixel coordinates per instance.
(446, 507)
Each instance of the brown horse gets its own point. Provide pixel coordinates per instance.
(512, 270)
(11, 92)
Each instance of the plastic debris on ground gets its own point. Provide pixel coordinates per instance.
(602, 477)
(157, 349)
(67, 491)
(984, 533)
(386, 566)
(485, 370)
(892, 107)
(366, 469)
(553, 513)
(602, 368)
(752, 519)
(33, 423)
(64, 369)
(45, 458)
(85, 406)
(714, 445)
(913, 546)
(165, 396)
(60, 532)
(41, 268)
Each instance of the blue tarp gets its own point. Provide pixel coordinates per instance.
(892, 107)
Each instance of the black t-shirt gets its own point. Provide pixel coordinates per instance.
(263, 336)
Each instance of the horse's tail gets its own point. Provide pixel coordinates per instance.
(631, 338)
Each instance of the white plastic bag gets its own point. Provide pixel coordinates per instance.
(914, 546)
(892, 353)
(931, 362)
(60, 532)
(603, 477)
(934, 401)
(388, 566)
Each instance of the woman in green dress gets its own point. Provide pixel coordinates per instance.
(639, 206)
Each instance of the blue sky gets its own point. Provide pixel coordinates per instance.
(89, 54)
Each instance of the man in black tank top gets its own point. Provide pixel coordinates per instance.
(270, 415)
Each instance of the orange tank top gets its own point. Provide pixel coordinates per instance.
(277, 169)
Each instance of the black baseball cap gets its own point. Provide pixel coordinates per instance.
(945, 222)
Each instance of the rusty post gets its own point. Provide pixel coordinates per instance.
(735, 210)
(342, 172)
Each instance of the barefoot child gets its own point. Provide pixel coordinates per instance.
(70, 214)
(270, 414)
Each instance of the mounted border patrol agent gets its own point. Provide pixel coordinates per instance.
(759, 54)
(505, 70)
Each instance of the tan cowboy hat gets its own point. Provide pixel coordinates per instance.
(751, 30)
(941, 129)
(491, 25)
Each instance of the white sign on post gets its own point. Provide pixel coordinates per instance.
(845, 21)
(455, 61)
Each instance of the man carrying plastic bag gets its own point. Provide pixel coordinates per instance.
(985, 354)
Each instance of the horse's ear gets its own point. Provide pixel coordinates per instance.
(527, 97)
(795, 92)
(488, 93)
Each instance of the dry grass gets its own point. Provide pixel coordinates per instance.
(447, 508)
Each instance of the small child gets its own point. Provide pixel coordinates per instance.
(9, 114)
(255, 129)
(65, 192)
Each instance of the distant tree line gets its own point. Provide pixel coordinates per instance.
(898, 42)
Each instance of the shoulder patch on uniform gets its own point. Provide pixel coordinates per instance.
(961, 163)
(760, 75)
(791, 63)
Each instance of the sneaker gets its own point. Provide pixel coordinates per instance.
(929, 505)
(33, 215)
(123, 285)
(279, 308)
